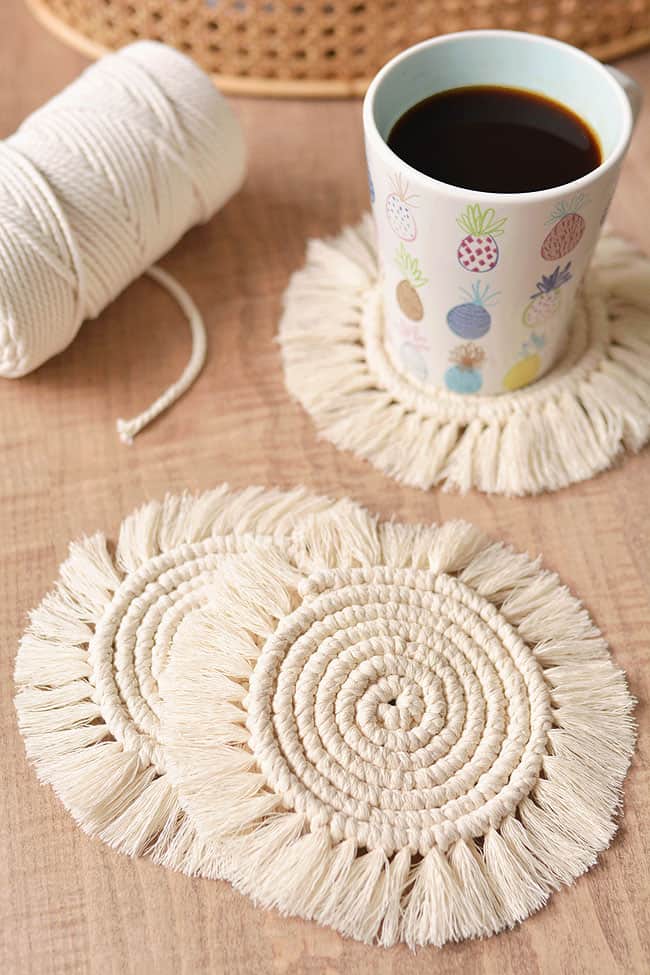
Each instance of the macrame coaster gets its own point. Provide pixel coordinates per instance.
(405, 732)
(566, 427)
(89, 663)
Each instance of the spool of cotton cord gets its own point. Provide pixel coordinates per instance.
(99, 183)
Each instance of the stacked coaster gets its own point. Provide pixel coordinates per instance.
(410, 733)
(564, 428)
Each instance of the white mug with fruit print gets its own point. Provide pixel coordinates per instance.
(479, 287)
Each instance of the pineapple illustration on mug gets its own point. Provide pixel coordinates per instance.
(527, 368)
(398, 210)
(546, 301)
(478, 251)
(567, 230)
(406, 293)
(471, 319)
(412, 350)
(464, 376)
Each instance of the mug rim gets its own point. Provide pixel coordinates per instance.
(614, 157)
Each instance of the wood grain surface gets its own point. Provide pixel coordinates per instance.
(67, 903)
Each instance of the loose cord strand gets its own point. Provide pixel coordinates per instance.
(128, 429)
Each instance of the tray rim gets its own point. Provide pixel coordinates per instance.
(259, 87)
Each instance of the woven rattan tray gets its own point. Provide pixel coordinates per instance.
(286, 48)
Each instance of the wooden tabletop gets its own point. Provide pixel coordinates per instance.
(68, 904)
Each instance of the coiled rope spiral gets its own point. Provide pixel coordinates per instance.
(99, 183)
(407, 732)
(408, 728)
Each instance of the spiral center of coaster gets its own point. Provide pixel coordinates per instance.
(392, 703)
(398, 708)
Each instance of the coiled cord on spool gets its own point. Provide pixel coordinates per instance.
(95, 186)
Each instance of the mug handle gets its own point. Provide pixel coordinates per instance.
(631, 89)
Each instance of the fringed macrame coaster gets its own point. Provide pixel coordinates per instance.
(409, 733)
(564, 428)
(89, 664)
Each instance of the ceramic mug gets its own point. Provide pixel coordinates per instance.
(478, 287)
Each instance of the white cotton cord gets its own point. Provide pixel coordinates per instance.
(407, 732)
(97, 185)
(128, 429)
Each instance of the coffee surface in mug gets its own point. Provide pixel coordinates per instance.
(495, 140)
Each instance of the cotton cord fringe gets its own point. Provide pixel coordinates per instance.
(564, 428)
(407, 732)
(95, 187)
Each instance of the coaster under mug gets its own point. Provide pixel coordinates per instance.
(564, 428)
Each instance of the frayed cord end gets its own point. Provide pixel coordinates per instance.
(125, 431)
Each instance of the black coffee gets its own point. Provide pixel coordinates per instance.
(498, 140)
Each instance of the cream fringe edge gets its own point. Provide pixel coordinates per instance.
(566, 427)
(116, 785)
(122, 792)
